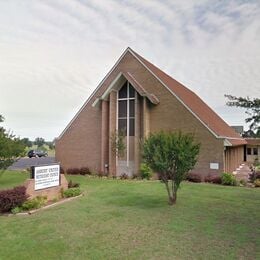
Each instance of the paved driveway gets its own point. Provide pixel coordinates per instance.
(25, 163)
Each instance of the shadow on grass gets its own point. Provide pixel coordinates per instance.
(141, 201)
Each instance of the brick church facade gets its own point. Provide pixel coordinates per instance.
(137, 98)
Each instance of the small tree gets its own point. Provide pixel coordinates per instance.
(252, 107)
(117, 140)
(51, 145)
(11, 148)
(27, 142)
(172, 156)
(39, 141)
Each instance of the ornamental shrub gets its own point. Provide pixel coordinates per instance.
(73, 192)
(12, 198)
(213, 179)
(228, 179)
(84, 171)
(101, 174)
(16, 210)
(72, 184)
(124, 176)
(34, 203)
(194, 177)
(145, 171)
(73, 171)
(257, 183)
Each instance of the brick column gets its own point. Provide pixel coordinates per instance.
(146, 118)
(104, 135)
(112, 129)
(137, 135)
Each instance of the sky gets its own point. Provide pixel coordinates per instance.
(54, 53)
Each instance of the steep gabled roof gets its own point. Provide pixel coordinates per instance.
(216, 124)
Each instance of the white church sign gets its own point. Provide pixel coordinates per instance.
(46, 176)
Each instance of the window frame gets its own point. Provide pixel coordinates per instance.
(128, 118)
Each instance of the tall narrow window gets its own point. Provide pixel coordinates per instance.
(126, 109)
(126, 112)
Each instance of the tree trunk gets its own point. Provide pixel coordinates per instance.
(168, 190)
(171, 201)
(173, 194)
(174, 197)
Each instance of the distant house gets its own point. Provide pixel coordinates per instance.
(252, 150)
(138, 98)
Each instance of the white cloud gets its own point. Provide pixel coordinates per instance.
(54, 53)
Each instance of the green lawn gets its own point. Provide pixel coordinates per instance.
(131, 220)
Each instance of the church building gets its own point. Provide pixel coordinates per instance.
(136, 98)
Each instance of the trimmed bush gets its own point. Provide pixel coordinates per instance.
(62, 170)
(34, 203)
(73, 171)
(72, 184)
(84, 171)
(257, 182)
(123, 176)
(12, 198)
(73, 192)
(228, 179)
(145, 171)
(134, 176)
(194, 177)
(213, 179)
(16, 210)
(242, 182)
(100, 174)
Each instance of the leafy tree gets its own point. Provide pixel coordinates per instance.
(1, 118)
(251, 134)
(118, 144)
(51, 145)
(252, 107)
(11, 148)
(39, 141)
(172, 156)
(27, 142)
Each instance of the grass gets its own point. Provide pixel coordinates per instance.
(131, 220)
(10, 179)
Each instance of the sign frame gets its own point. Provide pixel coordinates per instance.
(53, 181)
